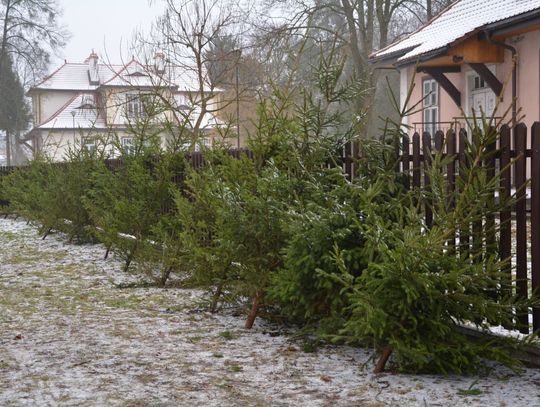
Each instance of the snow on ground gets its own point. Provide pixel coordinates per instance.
(70, 335)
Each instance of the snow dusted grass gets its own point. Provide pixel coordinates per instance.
(69, 336)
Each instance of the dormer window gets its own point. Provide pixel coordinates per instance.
(87, 102)
(136, 70)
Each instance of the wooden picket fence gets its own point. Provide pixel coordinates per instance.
(517, 152)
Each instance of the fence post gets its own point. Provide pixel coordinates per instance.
(477, 225)
(535, 219)
(439, 141)
(520, 145)
(348, 160)
(426, 147)
(451, 179)
(490, 217)
(505, 216)
(406, 162)
(416, 161)
(464, 229)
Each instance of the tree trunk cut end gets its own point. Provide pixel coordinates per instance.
(381, 363)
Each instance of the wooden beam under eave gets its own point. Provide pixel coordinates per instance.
(445, 83)
(477, 51)
(488, 77)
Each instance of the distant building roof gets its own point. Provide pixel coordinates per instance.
(456, 22)
(75, 76)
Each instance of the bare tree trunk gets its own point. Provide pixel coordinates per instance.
(215, 297)
(46, 233)
(107, 252)
(165, 276)
(254, 310)
(381, 363)
(128, 262)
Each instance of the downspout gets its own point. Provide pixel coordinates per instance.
(514, 72)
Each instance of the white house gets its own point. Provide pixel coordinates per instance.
(79, 101)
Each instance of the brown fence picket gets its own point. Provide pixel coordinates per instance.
(406, 163)
(451, 178)
(464, 228)
(426, 148)
(491, 172)
(505, 216)
(348, 160)
(520, 168)
(416, 161)
(477, 226)
(439, 141)
(535, 219)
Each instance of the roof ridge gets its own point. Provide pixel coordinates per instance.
(49, 76)
(427, 24)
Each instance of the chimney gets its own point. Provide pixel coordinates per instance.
(159, 62)
(93, 69)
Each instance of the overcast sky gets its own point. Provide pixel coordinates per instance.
(105, 26)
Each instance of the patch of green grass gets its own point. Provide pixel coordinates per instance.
(471, 391)
(217, 355)
(195, 339)
(235, 368)
(310, 345)
(228, 335)
(7, 235)
(176, 308)
(32, 255)
(130, 302)
(4, 365)
(136, 284)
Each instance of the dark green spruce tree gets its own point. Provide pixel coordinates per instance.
(14, 112)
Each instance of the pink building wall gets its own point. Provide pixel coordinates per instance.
(528, 88)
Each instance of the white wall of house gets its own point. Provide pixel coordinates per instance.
(56, 145)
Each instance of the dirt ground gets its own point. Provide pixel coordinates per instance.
(77, 331)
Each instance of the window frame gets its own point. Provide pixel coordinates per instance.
(134, 107)
(430, 105)
(128, 148)
(89, 144)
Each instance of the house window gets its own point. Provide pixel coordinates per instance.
(89, 143)
(128, 145)
(183, 102)
(479, 83)
(204, 141)
(431, 105)
(134, 107)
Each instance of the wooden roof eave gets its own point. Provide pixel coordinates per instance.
(423, 58)
(514, 26)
